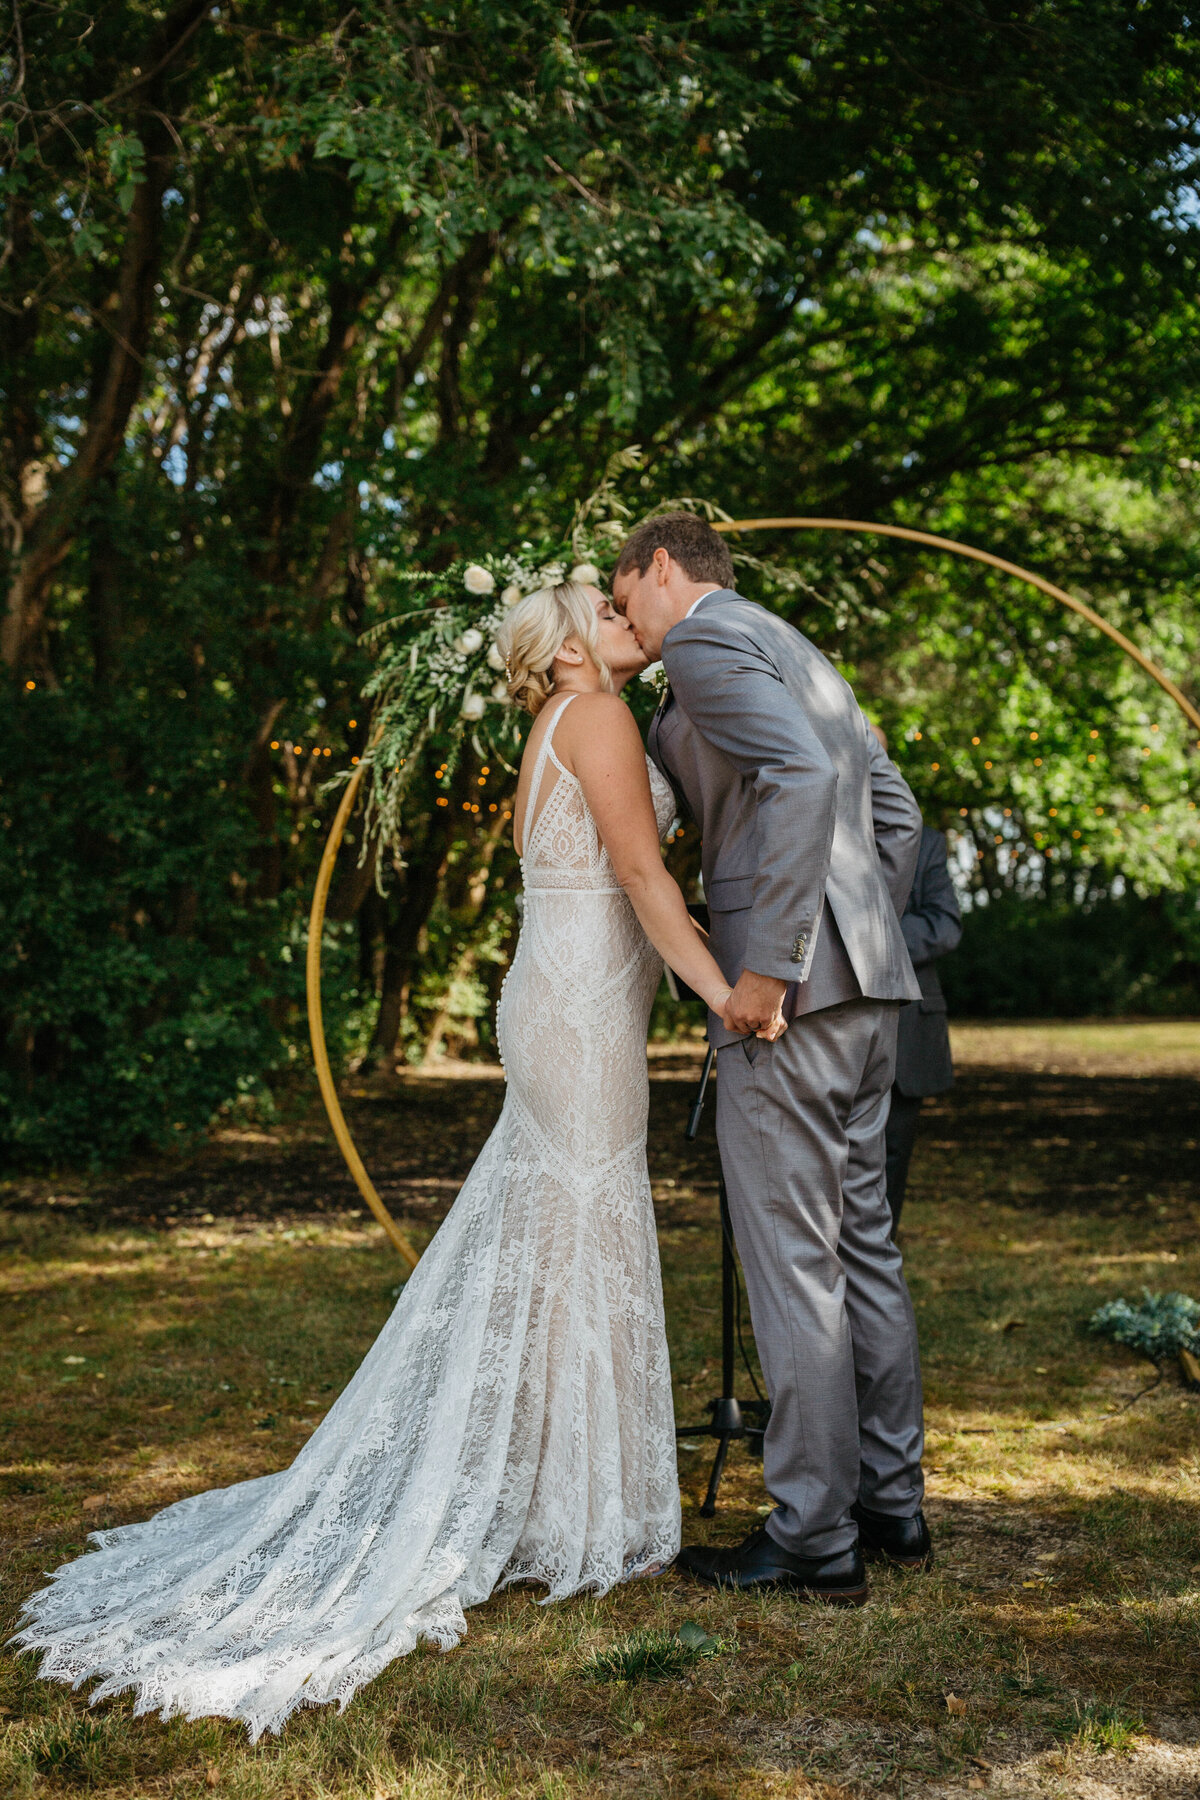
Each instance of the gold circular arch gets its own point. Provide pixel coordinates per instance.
(995, 562)
(316, 920)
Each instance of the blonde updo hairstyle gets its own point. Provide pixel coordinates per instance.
(533, 634)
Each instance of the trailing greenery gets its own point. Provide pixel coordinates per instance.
(1162, 1326)
(297, 303)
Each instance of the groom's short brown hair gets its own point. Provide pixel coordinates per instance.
(701, 552)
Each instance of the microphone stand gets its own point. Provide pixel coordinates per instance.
(729, 1416)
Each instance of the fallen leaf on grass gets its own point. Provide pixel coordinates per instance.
(955, 1705)
(976, 1781)
(1013, 1325)
(93, 1501)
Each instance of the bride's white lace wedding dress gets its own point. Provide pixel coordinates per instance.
(513, 1418)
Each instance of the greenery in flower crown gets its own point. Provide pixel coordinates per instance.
(439, 682)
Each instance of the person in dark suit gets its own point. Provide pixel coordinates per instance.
(932, 926)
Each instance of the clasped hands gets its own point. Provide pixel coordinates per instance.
(754, 1005)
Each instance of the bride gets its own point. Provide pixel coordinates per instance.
(513, 1419)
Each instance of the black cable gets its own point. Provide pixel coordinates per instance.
(737, 1315)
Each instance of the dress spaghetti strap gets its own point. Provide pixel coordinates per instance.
(539, 769)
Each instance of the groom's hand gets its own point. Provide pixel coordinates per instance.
(756, 1005)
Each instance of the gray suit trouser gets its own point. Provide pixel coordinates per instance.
(801, 1130)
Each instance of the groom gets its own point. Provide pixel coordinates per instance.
(810, 840)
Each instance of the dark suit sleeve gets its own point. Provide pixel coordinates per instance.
(933, 924)
(897, 820)
(733, 694)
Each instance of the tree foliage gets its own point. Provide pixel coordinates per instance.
(295, 298)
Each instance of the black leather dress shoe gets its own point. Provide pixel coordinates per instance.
(882, 1537)
(759, 1562)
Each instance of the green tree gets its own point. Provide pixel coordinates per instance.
(293, 298)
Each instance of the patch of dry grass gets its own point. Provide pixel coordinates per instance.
(1053, 1651)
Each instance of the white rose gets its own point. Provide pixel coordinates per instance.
(500, 691)
(511, 595)
(552, 574)
(478, 580)
(470, 641)
(473, 706)
(586, 574)
(495, 658)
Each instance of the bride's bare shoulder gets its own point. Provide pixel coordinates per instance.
(599, 724)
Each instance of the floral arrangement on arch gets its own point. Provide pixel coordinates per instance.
(439, 681)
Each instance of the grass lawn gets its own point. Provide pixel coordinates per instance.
(184, 1326)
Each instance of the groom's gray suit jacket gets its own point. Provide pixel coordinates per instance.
(810, 834)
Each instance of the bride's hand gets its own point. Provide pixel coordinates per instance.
(770, 1032)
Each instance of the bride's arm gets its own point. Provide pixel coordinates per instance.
(604, 749)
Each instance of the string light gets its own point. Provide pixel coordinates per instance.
(29, 686)
(974, 740)
(274, 743)
(353, 762)
(442, 800)
(353, 723)
(987, 765)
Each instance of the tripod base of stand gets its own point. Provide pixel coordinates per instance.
(728, 1425)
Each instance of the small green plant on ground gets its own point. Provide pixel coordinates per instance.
(1102, 1727)
(652, 1655)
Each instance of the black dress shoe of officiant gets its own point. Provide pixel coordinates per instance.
(759, 1562)
(882, 1537)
